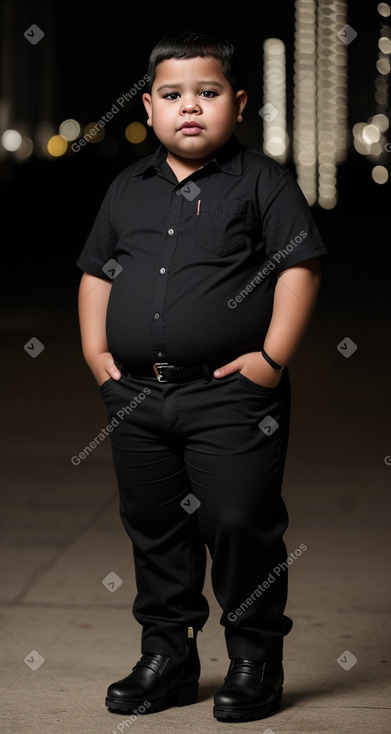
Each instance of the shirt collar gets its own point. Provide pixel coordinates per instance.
(228, 159)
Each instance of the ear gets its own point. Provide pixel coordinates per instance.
(147, 101)
(240, 102)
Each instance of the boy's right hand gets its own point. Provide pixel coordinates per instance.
(103, 367)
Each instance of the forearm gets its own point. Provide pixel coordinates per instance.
(295, 298)
(92, 304)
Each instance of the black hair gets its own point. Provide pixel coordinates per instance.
(191, 42)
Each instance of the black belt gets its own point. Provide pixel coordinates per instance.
(169, 373)
(165, 372)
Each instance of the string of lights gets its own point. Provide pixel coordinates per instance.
(369, 137)
(275, 138)
(320, 99)
(320, 107)
(304, 104)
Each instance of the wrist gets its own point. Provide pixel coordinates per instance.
(271, 361)
(91, 353)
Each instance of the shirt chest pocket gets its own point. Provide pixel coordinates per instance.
(221, 225)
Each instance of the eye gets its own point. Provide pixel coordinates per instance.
(171, 95)
(208, 93)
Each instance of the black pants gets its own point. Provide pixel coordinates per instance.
(201, 464)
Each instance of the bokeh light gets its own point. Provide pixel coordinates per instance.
(135, 132)
(332, 97)
(381, 121)
(69, 129)
(383, 66)
(25, 150)
(320, 104)
(11, 140)
(384, 10)
(380, 174)
(57, 146)
(93, 133)
(384, 44)
(275, 137)
(305, 102)
(371, 134)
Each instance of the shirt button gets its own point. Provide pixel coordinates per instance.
(160, 354)
(156, 316)
(162, 270)
(178, 193)
(170, 231)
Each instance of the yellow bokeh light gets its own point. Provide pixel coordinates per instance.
(57, 146)
(135, 132)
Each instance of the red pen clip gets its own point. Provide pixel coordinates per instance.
(198, 206)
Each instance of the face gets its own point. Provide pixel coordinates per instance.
(192, 107)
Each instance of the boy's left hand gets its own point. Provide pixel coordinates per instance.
(253, 366)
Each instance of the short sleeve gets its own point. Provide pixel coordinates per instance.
(290, 232)
(99, 247)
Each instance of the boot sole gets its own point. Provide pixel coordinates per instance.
(181, 697)
(230, 714)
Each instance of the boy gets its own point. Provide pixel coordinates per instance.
(219, 274)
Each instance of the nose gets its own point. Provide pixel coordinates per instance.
(191, 106)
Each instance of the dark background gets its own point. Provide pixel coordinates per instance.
(48, 206)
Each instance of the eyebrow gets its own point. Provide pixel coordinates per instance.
(178, 84)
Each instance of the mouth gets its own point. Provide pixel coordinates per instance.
(190, 127)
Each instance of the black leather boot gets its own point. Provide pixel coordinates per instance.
(251, 691)
(158, 682)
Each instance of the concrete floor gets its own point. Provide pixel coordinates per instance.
(64, 636)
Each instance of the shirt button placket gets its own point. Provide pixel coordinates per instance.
(167, 254)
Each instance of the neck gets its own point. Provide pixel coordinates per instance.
(183, 167)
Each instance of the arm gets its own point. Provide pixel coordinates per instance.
(295, 297)
(93, 299)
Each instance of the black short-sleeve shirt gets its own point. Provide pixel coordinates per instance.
(194, 263)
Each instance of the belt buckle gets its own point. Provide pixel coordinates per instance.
(159, 366)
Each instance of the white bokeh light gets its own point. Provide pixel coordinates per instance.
(11, 140)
